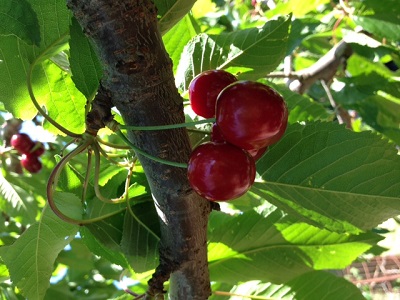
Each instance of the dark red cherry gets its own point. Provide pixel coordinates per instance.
(251, 115)
(220, 171)
(31, 163)
(22, 143)
(204, 89)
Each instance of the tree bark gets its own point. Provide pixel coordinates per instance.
(139, 81)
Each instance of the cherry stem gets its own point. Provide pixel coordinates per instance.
(96, 180)
(170, 126)
(36, 104)
(53, 180)
(112, 145)
(145, 154)
(52, 183)
(127, 184)
(87, 176)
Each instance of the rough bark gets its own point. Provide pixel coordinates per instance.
(138, 79)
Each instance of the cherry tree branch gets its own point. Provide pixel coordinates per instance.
(138, 79)
(324, 69)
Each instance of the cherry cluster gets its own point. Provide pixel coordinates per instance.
(30, 150)
(249, 117)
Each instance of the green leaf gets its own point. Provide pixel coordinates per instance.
(374, 93)
(276, 248)
(301, 107)
(176, 39)
(100, 249)
(385, 25)
(141, 235)
(251, 52)
(17, 18)
(22, 208)
(85, 65)
(298, 7)
(52, 86)
(342, 180)
(31, 258)
(323, 285)
(171, 12)
(311, 285)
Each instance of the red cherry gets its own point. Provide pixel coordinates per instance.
(37, 149)
(250, 114)
(220, 172)
(216, 135)
(31, 163)
(204, 89)
(22, 143)
(257, 153)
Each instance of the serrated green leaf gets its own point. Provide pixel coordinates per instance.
(31, 258)
(276, 248)
(85, 65)
(171, 12)
(98, 248)
(17, 18)
(52, 86)
(108, 231)
(374, 93)
(141, 235)
(176, 39)
(311, 285)
(24, 209)
(323, 285)
(385, 25)
(342, 180)
(298, 7)
(251, 52)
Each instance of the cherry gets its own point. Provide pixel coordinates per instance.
(257, 153)
(251, 115)
(204, 89)
(216, 135)
(22, 143)
(220, 171)
(37, 149)
(31, 163)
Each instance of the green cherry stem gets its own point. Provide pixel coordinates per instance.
(112, 145)
(39, 108)
(131, 212)
(99, 195)
(145, 154)
(87, 176)
(53, 180)
(164, 127)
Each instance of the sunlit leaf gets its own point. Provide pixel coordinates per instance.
(251, 52)
(171, 12)
(276, 247)
(340, 179)
(85, 66)
(31, 258)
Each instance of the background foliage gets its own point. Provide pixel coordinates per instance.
(320, 192)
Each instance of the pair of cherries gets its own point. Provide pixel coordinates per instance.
(30, 151)
(249, 116)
